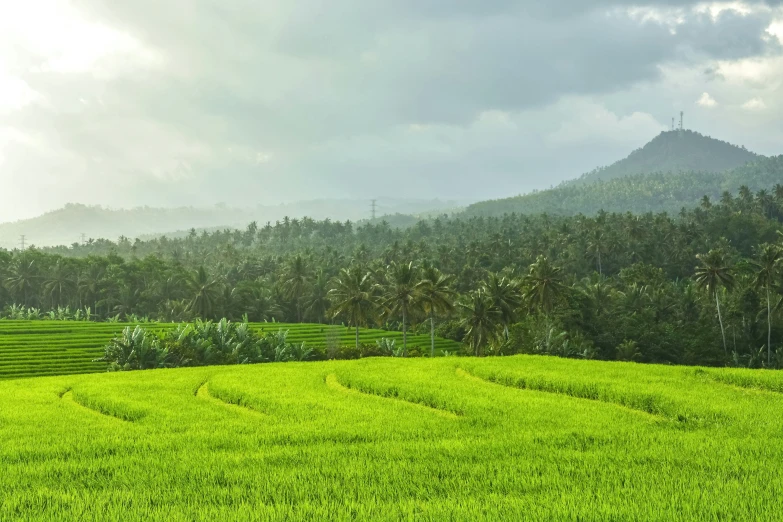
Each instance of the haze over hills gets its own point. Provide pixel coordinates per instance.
(65, 226)
(670, 172)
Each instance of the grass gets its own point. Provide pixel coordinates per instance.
(516, 438)
(39, 348)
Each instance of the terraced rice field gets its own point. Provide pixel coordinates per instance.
(39, 348)
(513, 438)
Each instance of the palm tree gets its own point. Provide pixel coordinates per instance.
(59, 283)
(296, 280)
(437, 297)
(256, 300)
(22, 280)
(596, 247)
(599, 293)
(402, 296)
(505, 298)
(205, 292)
(544, 285)
(480, 320)
(764, 201)
(745, 197)
(316, 303)
(231, 306)
(89, 285)
(767, 273)
(126, 302)
(354, 295)
(716, 272)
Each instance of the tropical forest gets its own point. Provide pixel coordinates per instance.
(701, 287)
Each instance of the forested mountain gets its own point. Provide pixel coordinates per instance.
(613, 286)
(672, 151)
(671, 172)
(66, 225)
(657, 192)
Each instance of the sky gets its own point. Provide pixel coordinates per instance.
(196, 102)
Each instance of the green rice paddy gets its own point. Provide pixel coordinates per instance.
(514, 438)
(39, 348)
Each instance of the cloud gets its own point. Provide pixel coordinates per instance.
(594, 123)
(754, 104)
(706, 100)
(15, 93)
(775, 29)
(176, 102)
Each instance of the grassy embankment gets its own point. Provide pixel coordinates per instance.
(38, 348)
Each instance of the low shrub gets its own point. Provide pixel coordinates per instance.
(202, 343)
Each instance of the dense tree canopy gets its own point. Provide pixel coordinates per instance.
(703, 287)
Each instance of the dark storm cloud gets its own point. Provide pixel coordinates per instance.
(731, 36)
(313, 70)
(285, 94)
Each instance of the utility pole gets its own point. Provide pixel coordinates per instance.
(373, 206)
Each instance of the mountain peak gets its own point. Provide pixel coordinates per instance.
(675, 151)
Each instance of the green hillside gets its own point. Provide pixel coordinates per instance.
(657, 192)
(673, 151)
(672, 171)
(515, 438)
(37, 348)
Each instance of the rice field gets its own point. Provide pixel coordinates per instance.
(450, 438)
(40, 348)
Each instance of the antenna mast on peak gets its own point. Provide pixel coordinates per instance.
(681, 115)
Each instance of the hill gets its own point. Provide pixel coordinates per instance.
(672, 151)
(513, 438)
(656, 192)
(66, 225)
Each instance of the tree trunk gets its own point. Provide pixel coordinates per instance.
(432, 333)
(600, 268)
(357, 336)
(769, 330)
(722, 331)
(404, 333)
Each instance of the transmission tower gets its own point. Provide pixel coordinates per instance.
(672, 123)
(681, 115)
(22, 239)
(373, 207)
(84, 238)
